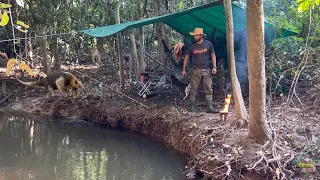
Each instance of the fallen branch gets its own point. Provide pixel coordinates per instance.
(7, 97)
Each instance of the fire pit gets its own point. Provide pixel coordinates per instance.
(225, 111)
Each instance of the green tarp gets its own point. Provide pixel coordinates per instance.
(207, 16)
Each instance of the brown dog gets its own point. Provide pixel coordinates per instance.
(59, 80)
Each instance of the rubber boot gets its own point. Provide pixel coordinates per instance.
(209, 103)
(193, 103)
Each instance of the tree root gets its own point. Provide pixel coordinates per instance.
(275, 163)
(262, 157)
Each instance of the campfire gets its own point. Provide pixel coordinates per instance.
(225, 111)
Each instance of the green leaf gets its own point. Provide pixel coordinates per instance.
(317, 2)
(22, 24)
(305, 5)
(3, 6)
(4, 19)
(180, 6)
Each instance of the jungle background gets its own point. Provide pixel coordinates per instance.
(292, 63)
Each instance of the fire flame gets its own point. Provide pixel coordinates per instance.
(226, 104)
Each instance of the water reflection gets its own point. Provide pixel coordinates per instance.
(33, 148)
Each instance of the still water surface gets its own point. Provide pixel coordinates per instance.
(40, 148)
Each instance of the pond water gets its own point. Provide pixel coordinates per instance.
(41, 148)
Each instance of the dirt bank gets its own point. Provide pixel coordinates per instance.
(211, 145)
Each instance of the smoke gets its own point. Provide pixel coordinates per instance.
(240, 53)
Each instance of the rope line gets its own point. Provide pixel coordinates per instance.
(35, 37)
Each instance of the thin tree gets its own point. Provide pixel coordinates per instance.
(43, 49)
(160, 32)
(258, 128)
(241, 112)
(134, 52)
(141, 38)
(119, 37)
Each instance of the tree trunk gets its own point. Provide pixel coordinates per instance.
(258, 128)
(241, 112)
(120, 56)
(56, 54)
(30, 52)
(43, 50)
(26, 44)
(134, 54)
(114, 57)
(159, 30)
(142, 65)
(100, 51)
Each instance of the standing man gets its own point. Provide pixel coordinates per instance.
(200, 51)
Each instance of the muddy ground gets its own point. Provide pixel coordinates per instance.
(210, 145)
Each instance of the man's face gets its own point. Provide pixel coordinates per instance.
(197, 37)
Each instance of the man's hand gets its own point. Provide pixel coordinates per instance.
(184, 73)
(214, 70)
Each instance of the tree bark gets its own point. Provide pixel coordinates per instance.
(43, 50)
(258, 128)
(241, 112)
(120, 54)
(56, 54)
(26, 44)
(114, 57)
(30, 52)
(142, 65)
(160, 31)
(134, 54)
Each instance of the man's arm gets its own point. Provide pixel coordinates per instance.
(213, 57)
(185, 62)
(214, 64)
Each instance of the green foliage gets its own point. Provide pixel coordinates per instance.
(180, 6)
(286, 54)
(307, 4)
(282, 59)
